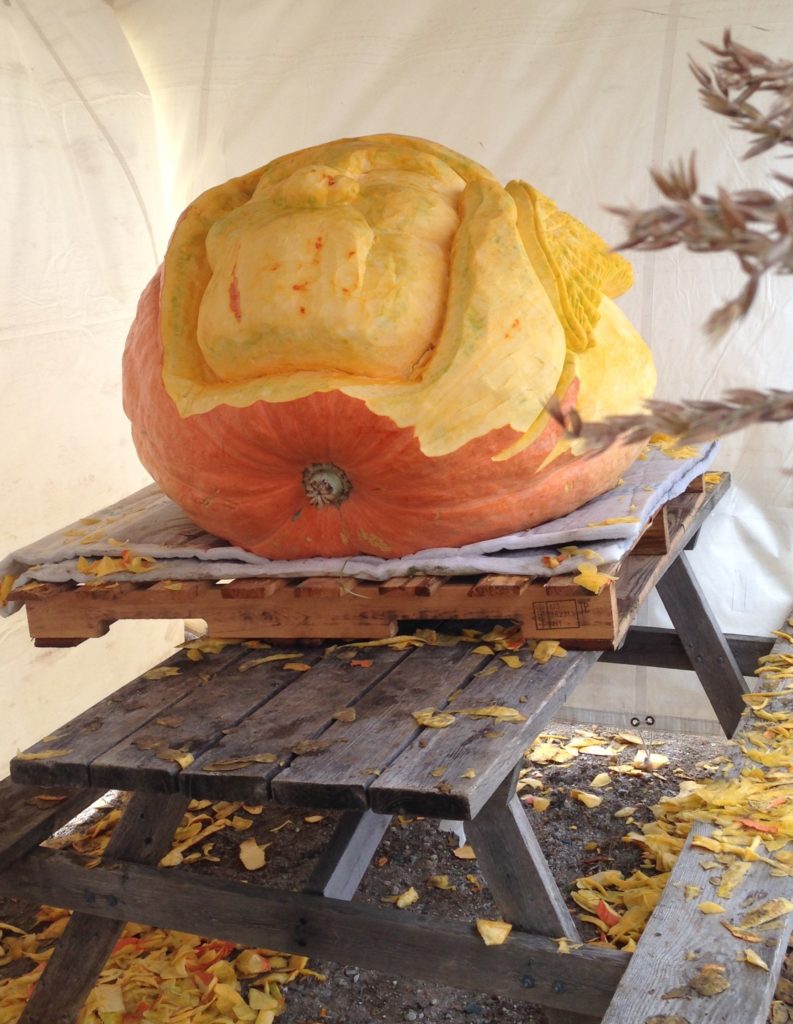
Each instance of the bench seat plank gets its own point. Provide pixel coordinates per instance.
(30, 815)
(679, 938)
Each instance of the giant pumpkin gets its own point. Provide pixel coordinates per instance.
(352, 350)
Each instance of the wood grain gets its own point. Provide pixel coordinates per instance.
(655, 538)
(112, 719)
(639, 574)
(341, 775)
(301, 714)
(710, 654)
(30, 814)
(345, 859)
(143, 834)
(677, 928)
(514, 867)
(526, 967)
(657, 647)
(194, 724)
(485, 746)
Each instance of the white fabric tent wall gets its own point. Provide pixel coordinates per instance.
(578, 98)
(82, 231)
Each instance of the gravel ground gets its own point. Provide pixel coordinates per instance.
(575, 840)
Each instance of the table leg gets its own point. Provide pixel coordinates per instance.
(515, 868)
(346, 857)
(142, 835)
(710, 654)
(517, 874)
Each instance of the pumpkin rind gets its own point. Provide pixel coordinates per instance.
(338, 439)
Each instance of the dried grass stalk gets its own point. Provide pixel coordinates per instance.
(754, 224)
(755, 93)
(688, 421)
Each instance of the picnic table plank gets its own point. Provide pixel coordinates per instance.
(341, 775)
(194, 723)
(142, 835)
(31, 814)
(486, 746)
(713, 661)
(526, 968)
(301, 714)
(679, 938)
(113, 718)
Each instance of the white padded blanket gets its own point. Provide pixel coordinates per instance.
(149, 524)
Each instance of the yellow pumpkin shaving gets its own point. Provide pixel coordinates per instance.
(430, 718)
(493, 933)
(252, 854)
(590, 579)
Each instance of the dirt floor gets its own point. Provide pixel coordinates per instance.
(576, 841)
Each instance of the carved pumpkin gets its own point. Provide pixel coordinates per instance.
(351, 350)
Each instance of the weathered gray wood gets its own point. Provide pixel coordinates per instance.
(143, 834)
(303, 713)
(341, 775)
(678, 938)
(486, 746)
(345, 859)
(514, 867)
(526, 967)
(657, 647)
(194, 723)
(555, 1016)
(638, 574)
(30, 814)
(704, 642)
(109, 721)
(677, 927)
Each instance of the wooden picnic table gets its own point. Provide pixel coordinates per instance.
(223, 729)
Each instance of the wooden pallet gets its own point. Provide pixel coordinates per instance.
(556, 608)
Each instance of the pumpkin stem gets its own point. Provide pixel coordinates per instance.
(326, 484)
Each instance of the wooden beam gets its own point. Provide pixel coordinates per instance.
(515, 868)
(144, 834)
(30, 815)
(345, 859)
(710, 655)
(527, 967)
(657, 647)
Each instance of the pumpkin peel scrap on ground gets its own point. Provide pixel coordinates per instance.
(750, 823)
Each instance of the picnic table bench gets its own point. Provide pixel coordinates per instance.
(205, 729)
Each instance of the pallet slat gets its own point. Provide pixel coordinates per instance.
(336, 607)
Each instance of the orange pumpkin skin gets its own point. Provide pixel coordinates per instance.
(241, 473)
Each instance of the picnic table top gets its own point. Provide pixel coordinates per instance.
(323, 729)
